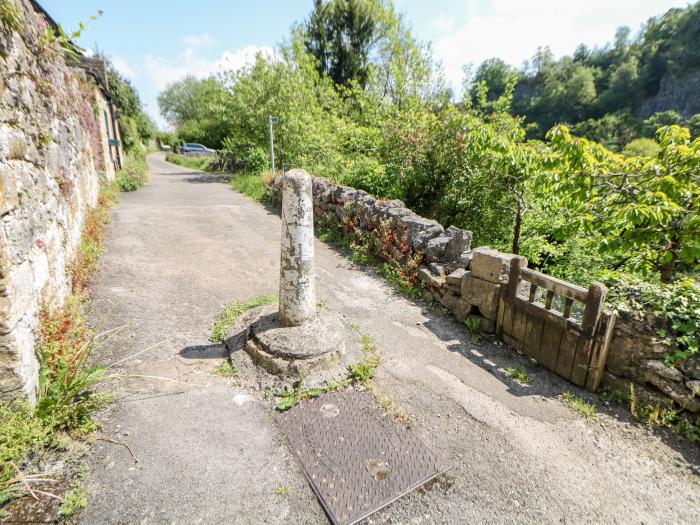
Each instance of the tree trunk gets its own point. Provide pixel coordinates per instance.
(667, 271)
(516, 230)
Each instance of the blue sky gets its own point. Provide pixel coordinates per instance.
(153, 42)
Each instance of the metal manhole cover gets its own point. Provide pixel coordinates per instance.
(356, 458)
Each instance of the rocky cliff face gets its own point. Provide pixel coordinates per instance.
(51, 166)
(681, 94)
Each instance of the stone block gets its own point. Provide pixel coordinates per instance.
(460, 309)
(691, 366)
(694, 387)
(629, 348)
(435, 248)
(644, 395)
(454, 279)
(427, 277)
(676, 391)
(437, 269)
(483, 294)
(460, 241)
(419, 230)
(491, 265)
(659, 368)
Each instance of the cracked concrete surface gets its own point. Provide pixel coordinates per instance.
(209, 450)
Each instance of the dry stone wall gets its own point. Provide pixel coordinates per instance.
(469, 283)
(52, 163)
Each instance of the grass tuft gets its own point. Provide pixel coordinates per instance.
(252, 185)
(577, 403)
(518, 373)
(226, 369)
(232, 312)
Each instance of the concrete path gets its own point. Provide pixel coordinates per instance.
(209, 452)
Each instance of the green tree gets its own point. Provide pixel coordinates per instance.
(647, 209)
(195, 108)
(343, 34)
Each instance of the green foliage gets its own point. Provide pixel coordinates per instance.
(678, 304)
(659, 120)
(135, 126)
(588, 410)
(21, 433)
(646, 209)
(518, 373)
(473, 324)
(359, 374)
(134, 174)
(203, 163)
(600, 92)
(195, 107)
(232, 312)
(11, 15)
(645, 148)
(73, 501)
(226, 369)
(252, 185)
(398, 279)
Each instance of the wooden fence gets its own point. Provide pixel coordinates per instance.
(573, 346)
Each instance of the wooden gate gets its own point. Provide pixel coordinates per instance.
(573, 346)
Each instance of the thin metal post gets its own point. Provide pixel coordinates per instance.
(272, 144)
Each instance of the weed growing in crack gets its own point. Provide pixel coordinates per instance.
(518, 373)
(577, 403)
(282, 490)
(232, 312)
(359, 374)
(473, 324)
(226, 369)
(659, 416)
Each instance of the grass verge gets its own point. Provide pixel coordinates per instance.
(66, 397)
(134, 174)
(251, 184)
(232, 312)
(202, 163)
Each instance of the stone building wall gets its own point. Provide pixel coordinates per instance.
(52, 165)
(469, 282)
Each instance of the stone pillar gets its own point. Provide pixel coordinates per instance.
(297, 294)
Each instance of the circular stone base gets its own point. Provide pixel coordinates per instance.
(296, 350)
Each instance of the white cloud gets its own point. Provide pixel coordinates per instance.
(162, 72)
(513, 29)
(198, 40)
(123, 67)
(442, 23)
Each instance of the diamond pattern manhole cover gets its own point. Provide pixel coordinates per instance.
(356, 458)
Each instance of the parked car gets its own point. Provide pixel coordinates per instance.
(196, 148)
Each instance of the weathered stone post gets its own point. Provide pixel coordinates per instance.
(297, 294)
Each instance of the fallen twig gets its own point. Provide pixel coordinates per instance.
(110, 440)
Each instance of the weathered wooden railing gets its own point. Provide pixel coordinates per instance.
(575, 349)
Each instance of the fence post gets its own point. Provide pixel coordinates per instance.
(594, 307)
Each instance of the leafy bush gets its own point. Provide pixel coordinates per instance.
(643, 147)
(134, 174)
